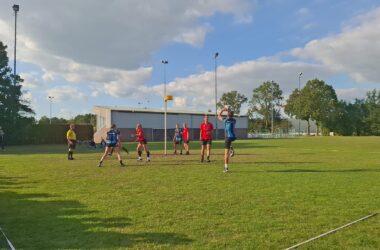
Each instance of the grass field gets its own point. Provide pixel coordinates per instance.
(279, 192)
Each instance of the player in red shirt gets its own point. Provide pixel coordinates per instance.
(206, 137)
(142, 143)
(186, 138)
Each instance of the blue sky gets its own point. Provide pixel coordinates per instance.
(113, 56)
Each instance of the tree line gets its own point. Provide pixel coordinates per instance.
(316, 101)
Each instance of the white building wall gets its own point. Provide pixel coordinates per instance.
(156, 120)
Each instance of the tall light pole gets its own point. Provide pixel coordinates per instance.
(165, 62)
(16, 9)
(272, 125)
(50, 103)
(216, 93)
(299, 100)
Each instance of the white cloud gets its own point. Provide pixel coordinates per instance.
(355, 51)
(243, 77)
(117, 34)
(180, 102)
(65, 93)
(194, 37)
(351, 94)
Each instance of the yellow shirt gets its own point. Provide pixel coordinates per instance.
(71, 135)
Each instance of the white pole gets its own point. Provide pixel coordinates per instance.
(165, 108)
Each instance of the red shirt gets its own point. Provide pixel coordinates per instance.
(206, 131)
(185, 134)
(140, 135)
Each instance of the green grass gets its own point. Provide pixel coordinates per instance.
(279, 192)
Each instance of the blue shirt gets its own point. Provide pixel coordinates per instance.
(229, 128)
(113, 136)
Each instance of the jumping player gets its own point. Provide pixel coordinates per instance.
(142, 143)
(113, 143)
(71, 141)
(177, 139)
(229, 128)
(206, 137)
(186, 138)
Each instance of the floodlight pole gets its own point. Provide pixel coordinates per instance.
(15, 8)
(164, 62)
(216, 93)
(50, 104)
(299, 100)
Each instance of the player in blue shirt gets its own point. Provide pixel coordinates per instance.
(113, 143)
(229, 129)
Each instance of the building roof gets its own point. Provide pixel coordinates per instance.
(145, 110)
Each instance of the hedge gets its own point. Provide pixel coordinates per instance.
(47, 134)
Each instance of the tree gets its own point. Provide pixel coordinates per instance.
(233, 99)
(372, 103)
(265, 99)
(320, 101)
(295, 106)
(85, 119)
(15, 112)
(54, 120)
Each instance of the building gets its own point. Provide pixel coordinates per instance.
(152, 121)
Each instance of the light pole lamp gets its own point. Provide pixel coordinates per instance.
(216, 93)
(165, 62)
(50, 104)
(299, 100)
(16, 8)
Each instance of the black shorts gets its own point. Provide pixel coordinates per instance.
(143, 142)
(72, 145)
(206, 142)
(111, 145)
(228, 143)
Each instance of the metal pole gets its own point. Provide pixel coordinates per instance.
(216, 94)
(165, 108)
(50, 104)
(15, 9)
(299, 99)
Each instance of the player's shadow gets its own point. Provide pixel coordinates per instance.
(42, 221)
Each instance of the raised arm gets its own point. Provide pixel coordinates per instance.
(220, 118)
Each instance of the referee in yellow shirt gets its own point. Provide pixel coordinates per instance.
(71, 141)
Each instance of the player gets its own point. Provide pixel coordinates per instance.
(186, 138)
(71, 141)
(177, 139)
(113, 143)
(229, 128)
(206, 137)
(142, 143)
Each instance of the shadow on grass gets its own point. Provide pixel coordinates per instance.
(131, 146)
(41, 221)
(323, 171)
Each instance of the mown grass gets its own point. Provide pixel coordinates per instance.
(279, 192)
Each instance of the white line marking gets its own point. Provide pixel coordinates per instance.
(330, 232)
(8, 241)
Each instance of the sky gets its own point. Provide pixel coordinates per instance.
(95, 52)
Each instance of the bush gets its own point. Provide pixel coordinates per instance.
(47, 134)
